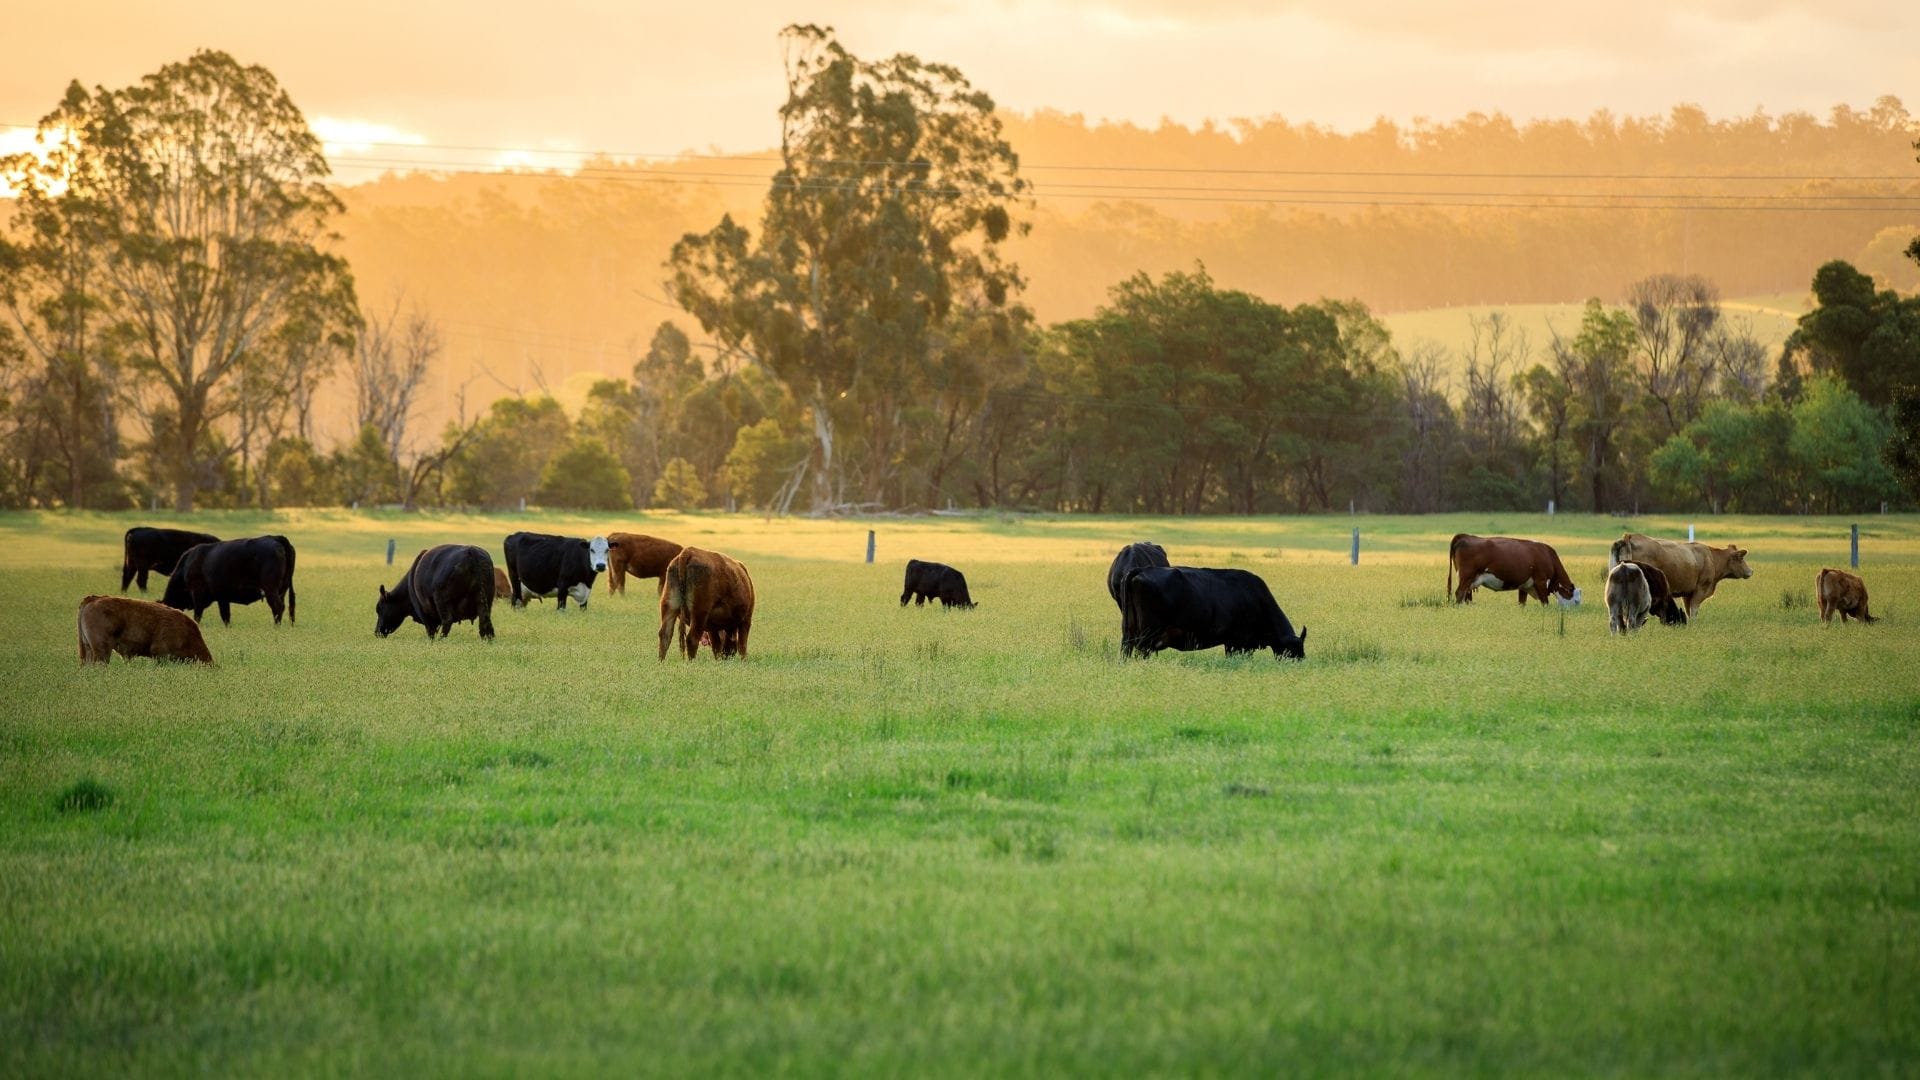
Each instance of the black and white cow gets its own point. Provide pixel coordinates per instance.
(154, 550)
(540, 564)
(1189, 608)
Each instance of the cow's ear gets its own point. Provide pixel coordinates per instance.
(584, 544)
(1740, 552)
(383, 592)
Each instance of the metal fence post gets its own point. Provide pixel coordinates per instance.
(389, 551)
(1356, 546)
(869, 545)
(1854, 555)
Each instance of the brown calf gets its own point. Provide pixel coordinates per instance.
(639, 555)
(1845, 594)
(120, 624)
(708, 594)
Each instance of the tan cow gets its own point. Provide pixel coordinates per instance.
(1693, 571)
(120, 624)
(502, 588)
(1839, 592)
(639, 555)
(706, 593)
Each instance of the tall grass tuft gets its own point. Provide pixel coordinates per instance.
(1795, 598)
(83, 796)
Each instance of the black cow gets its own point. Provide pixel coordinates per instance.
(540, 564)
(445, 585)
(150, 549)
(935, 581)
(1669, 611)
(234, 572)
(1132, 557)
(1185, 608)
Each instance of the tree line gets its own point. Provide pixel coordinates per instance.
(175, 305)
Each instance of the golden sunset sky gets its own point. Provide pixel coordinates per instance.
(661, 78)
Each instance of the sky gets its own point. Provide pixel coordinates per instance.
(650, 78)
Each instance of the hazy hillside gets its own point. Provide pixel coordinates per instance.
(551, 277)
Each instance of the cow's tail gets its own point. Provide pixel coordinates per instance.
(126, 560)
(286, 546)
(681, 585)
(1452, 546)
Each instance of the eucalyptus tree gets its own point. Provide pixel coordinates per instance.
(218, 215)
(884, 221)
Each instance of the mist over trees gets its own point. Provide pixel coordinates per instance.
(178, 320)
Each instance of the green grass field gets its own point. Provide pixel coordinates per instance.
(1478, 840)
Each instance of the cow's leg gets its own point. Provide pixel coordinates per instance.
(226, 613)
(1464, 593)
(740, 640)
(667, 623)
(690, 644)
(276, 605)
(903, 596)
(127, 574)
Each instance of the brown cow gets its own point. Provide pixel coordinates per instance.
(502, 588)
(706, 593)
(1503, 563)
(1693, 571)
(120, 624)
(639, 555)
(1845, 594)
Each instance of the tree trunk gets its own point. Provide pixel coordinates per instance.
(823, 437)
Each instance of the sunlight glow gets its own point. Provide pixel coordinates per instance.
(22, 140)
(339, 136)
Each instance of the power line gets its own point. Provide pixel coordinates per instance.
(1144, 193)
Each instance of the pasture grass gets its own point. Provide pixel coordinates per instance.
(1478, 839)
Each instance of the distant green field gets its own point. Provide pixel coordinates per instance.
(1478, 840)
(1770, 319)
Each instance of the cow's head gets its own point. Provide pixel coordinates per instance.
(1737, 563)
(596, 553)
(388, 612)
(1569, 598)
(1293, 648)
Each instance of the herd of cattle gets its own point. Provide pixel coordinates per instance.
(707, 597)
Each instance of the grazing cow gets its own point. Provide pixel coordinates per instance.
(234, 572)
(1839, 592)
(150, 549)
(1664, 606)
(1693, 571)
(1132, 557)
(935, 581)
(637, 554)
(706, 594)
(1628, 598)
(445, 585)
(539, 564)
(119, 624)
(1186, 608)
(1505, 564)
(502, 588)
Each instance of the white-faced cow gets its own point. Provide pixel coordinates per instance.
(1190, 608)
(1507, 564)
(540, 564)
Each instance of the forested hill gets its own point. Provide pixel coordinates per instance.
(541, 277)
